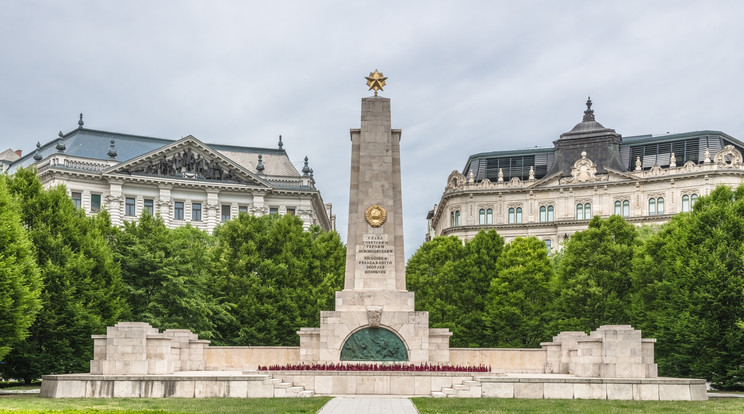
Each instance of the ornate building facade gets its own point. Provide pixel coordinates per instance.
(551, 193)
(184, 181)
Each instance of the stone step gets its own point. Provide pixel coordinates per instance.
(461, 387)
(294, 391)
(471, 383)
(272, 381)
(437, 394)
(449, 391)
(283, 385)
(307, 393)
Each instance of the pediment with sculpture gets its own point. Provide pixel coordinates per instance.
(187, 159)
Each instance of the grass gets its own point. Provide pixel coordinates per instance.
(497, 405)
(28, 404)
(34, 404)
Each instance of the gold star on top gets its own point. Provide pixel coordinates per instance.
(375, 81)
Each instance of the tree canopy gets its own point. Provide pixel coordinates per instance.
(20, 282)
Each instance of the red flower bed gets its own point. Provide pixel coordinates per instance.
(424, 367)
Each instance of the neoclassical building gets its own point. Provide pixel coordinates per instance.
(550, 193)
(184, 181)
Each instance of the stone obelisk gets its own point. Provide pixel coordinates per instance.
(375, 318)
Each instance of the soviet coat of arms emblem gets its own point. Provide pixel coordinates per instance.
(375, 215)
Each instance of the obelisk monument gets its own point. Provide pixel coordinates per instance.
(374, 318)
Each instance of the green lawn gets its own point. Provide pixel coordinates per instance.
(34, 404)
(498, 405)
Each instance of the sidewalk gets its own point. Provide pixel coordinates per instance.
(368, 405)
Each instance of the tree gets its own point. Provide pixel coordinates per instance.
(275, 277)
(451, 283)
(594, 284)
(82, 291)
(20, 283)
(168, 275)
(690, 281)
(518, 297)
(434, 275)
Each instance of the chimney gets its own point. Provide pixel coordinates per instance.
(19, 152)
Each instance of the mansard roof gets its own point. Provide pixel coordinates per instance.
(605, 147)
(95, 145)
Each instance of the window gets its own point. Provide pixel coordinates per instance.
(651, 206)
(489, 216)
(178, 210)
(148, 207)
(95, 203)
(242, 209)
(457, 217)
(196, 211)
(693, 200)
(129, 206)
(618, 208)
(543, 213)
(482, 216)
(660, 205)
(511, 215)
(226, 213)
(587, 211)
(77, 199)
(551, 213)
(626, 208)
(685, 203)
(290, 212)
(519, 214)
(452, 218)
(548, 244)
(273, 210)
(579, 212)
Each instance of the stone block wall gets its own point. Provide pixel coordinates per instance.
(136, 348)
(612, 351)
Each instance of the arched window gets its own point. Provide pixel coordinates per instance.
(693, 200)
(587, 211)
(626, 208)
(519, 214)
(457, 217)
(618, 208)
(551, 214)
(548, 244)
(685, 203)
(452, 219)
(660, 205)
(489, 216)
(482, 216)
(543, 213)
(651, 206)
(511, 215)
(579, 212)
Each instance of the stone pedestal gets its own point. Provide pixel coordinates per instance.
(374, 303)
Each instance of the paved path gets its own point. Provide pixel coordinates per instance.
(368, 405)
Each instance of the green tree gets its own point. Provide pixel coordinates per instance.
(82, 291)
(518, 298)
(434, 276)
(690, 278)
(275, 277)
(594, 284)
(451, 283)
(20, 283)
(168, 275)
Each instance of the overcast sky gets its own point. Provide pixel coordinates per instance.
(463, 76)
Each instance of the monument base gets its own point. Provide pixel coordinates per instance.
(263, 384)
